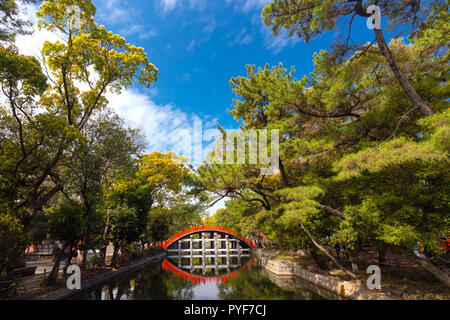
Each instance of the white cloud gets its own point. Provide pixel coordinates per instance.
(186, 77)
(198, 4)
(191, 46)
(243, 37)
(139, 30)
(32, 44)
(166, 127)
(248, 5)
(278, 42)
(210, 27)
(130, 20)
(115, 11)
(168, 5)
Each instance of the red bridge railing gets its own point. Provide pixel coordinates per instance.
(180, 235)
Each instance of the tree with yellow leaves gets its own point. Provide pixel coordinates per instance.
(43, 122)
(156, 178)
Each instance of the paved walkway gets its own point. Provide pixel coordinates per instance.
(46, 266)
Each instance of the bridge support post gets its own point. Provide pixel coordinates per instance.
(216, 258)
(238, 244)
(191, 240)
(179, 254)
(227, 247)
(203, 253)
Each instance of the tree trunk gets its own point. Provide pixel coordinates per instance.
(416, 100)
(435, 271)
(351, 274)
(103, 251)
(353, 261)
(105, 231)
(81, 259)
(381, 254)
(26, 219)
(360, 244)
(427, 265)
(2, 266)
(114, 257)
(105, 235)
(50, 281)
(321, 264)
(284, 177)
(69, 261)
(335, 212)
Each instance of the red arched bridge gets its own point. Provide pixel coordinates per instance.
(216, 237)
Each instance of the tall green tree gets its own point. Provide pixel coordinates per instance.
(155, 180)
(65, 223)
(309, 18)
(13, 240)
(349, 114)
(47, 128)
(124, 228)
(107, 146)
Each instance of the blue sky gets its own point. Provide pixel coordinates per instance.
(197, 45)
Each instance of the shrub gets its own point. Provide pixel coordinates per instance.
(12, 244)
(95, 262)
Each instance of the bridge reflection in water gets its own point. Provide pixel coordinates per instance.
(166, 281)
(199, 255)
(206, 263)
(196, 278)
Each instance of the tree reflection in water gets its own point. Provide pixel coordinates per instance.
(153, 283)
(167, 282)
(255, 285)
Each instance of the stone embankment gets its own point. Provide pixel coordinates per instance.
(353, 290)
(89, 284)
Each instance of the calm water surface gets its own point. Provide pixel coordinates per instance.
(166, 281)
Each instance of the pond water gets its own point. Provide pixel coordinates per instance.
(169, 281)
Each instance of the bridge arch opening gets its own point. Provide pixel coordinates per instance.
(218, 237)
